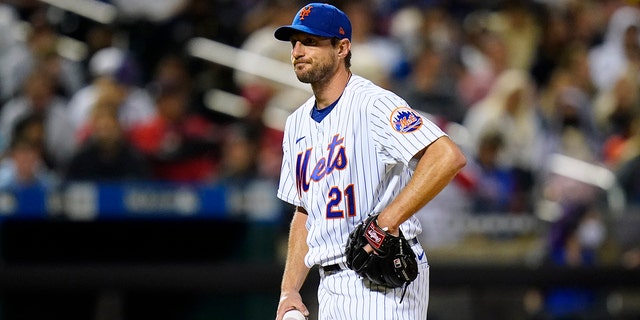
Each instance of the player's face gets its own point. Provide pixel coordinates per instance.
(314, 58)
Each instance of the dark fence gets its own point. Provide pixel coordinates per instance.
(149, 252)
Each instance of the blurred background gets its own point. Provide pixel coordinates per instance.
(140, 149)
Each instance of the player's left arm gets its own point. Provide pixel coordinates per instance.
(438, 164)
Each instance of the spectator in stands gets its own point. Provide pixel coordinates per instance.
(615, 112)
(494, 188)
(570, 127)
(510, 108)
(13, 53)
(24, 168)
(40, 50)
(379, 57)
(572, 71)
(24, 165)
(173, 72)
(482, 58)
(38, 97)
(106, 154)
(619, 50)
(180, 144)
(516, 24)
(113, 69)
(46, 52)
(265, 118)
(154, 28)
(416, 24)
(239, 156)
(554, 36)
(270, 152)
(430, 86)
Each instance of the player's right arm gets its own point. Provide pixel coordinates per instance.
(295, 270)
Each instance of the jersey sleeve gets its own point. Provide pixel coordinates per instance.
(287, 190)
(399, 131)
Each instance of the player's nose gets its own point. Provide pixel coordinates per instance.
(297, 50)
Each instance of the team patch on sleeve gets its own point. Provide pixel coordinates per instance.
(405, 120)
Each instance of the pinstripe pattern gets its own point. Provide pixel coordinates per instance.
(349, 156)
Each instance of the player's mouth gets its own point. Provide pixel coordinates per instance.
(299, 63)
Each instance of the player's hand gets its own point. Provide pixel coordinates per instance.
(288, 301)
(394, 232)
(386, 225)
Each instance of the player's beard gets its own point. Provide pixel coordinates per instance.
(318, 73)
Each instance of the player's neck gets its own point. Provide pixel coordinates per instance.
(328, 92)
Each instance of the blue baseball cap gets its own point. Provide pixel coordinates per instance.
(318, 19)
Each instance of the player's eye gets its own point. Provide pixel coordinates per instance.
(307, 41)
(304, 42)
(310, 42)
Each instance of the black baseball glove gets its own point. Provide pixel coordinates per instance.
(392, 263)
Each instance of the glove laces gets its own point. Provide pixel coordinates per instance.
(404, 290)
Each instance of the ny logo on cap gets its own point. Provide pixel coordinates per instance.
(305, 12)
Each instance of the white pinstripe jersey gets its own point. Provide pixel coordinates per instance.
(339, 168)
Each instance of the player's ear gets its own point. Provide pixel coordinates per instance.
(344, 47)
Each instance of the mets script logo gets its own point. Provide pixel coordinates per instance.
(306, 172)
(305, 12)
(405, 120)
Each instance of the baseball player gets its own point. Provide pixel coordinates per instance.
(350, 151)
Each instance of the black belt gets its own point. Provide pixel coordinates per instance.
(339, 267)
(331, 268)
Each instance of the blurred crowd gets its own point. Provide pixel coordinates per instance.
(515, 83)
(543, 96)
(520, 85)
